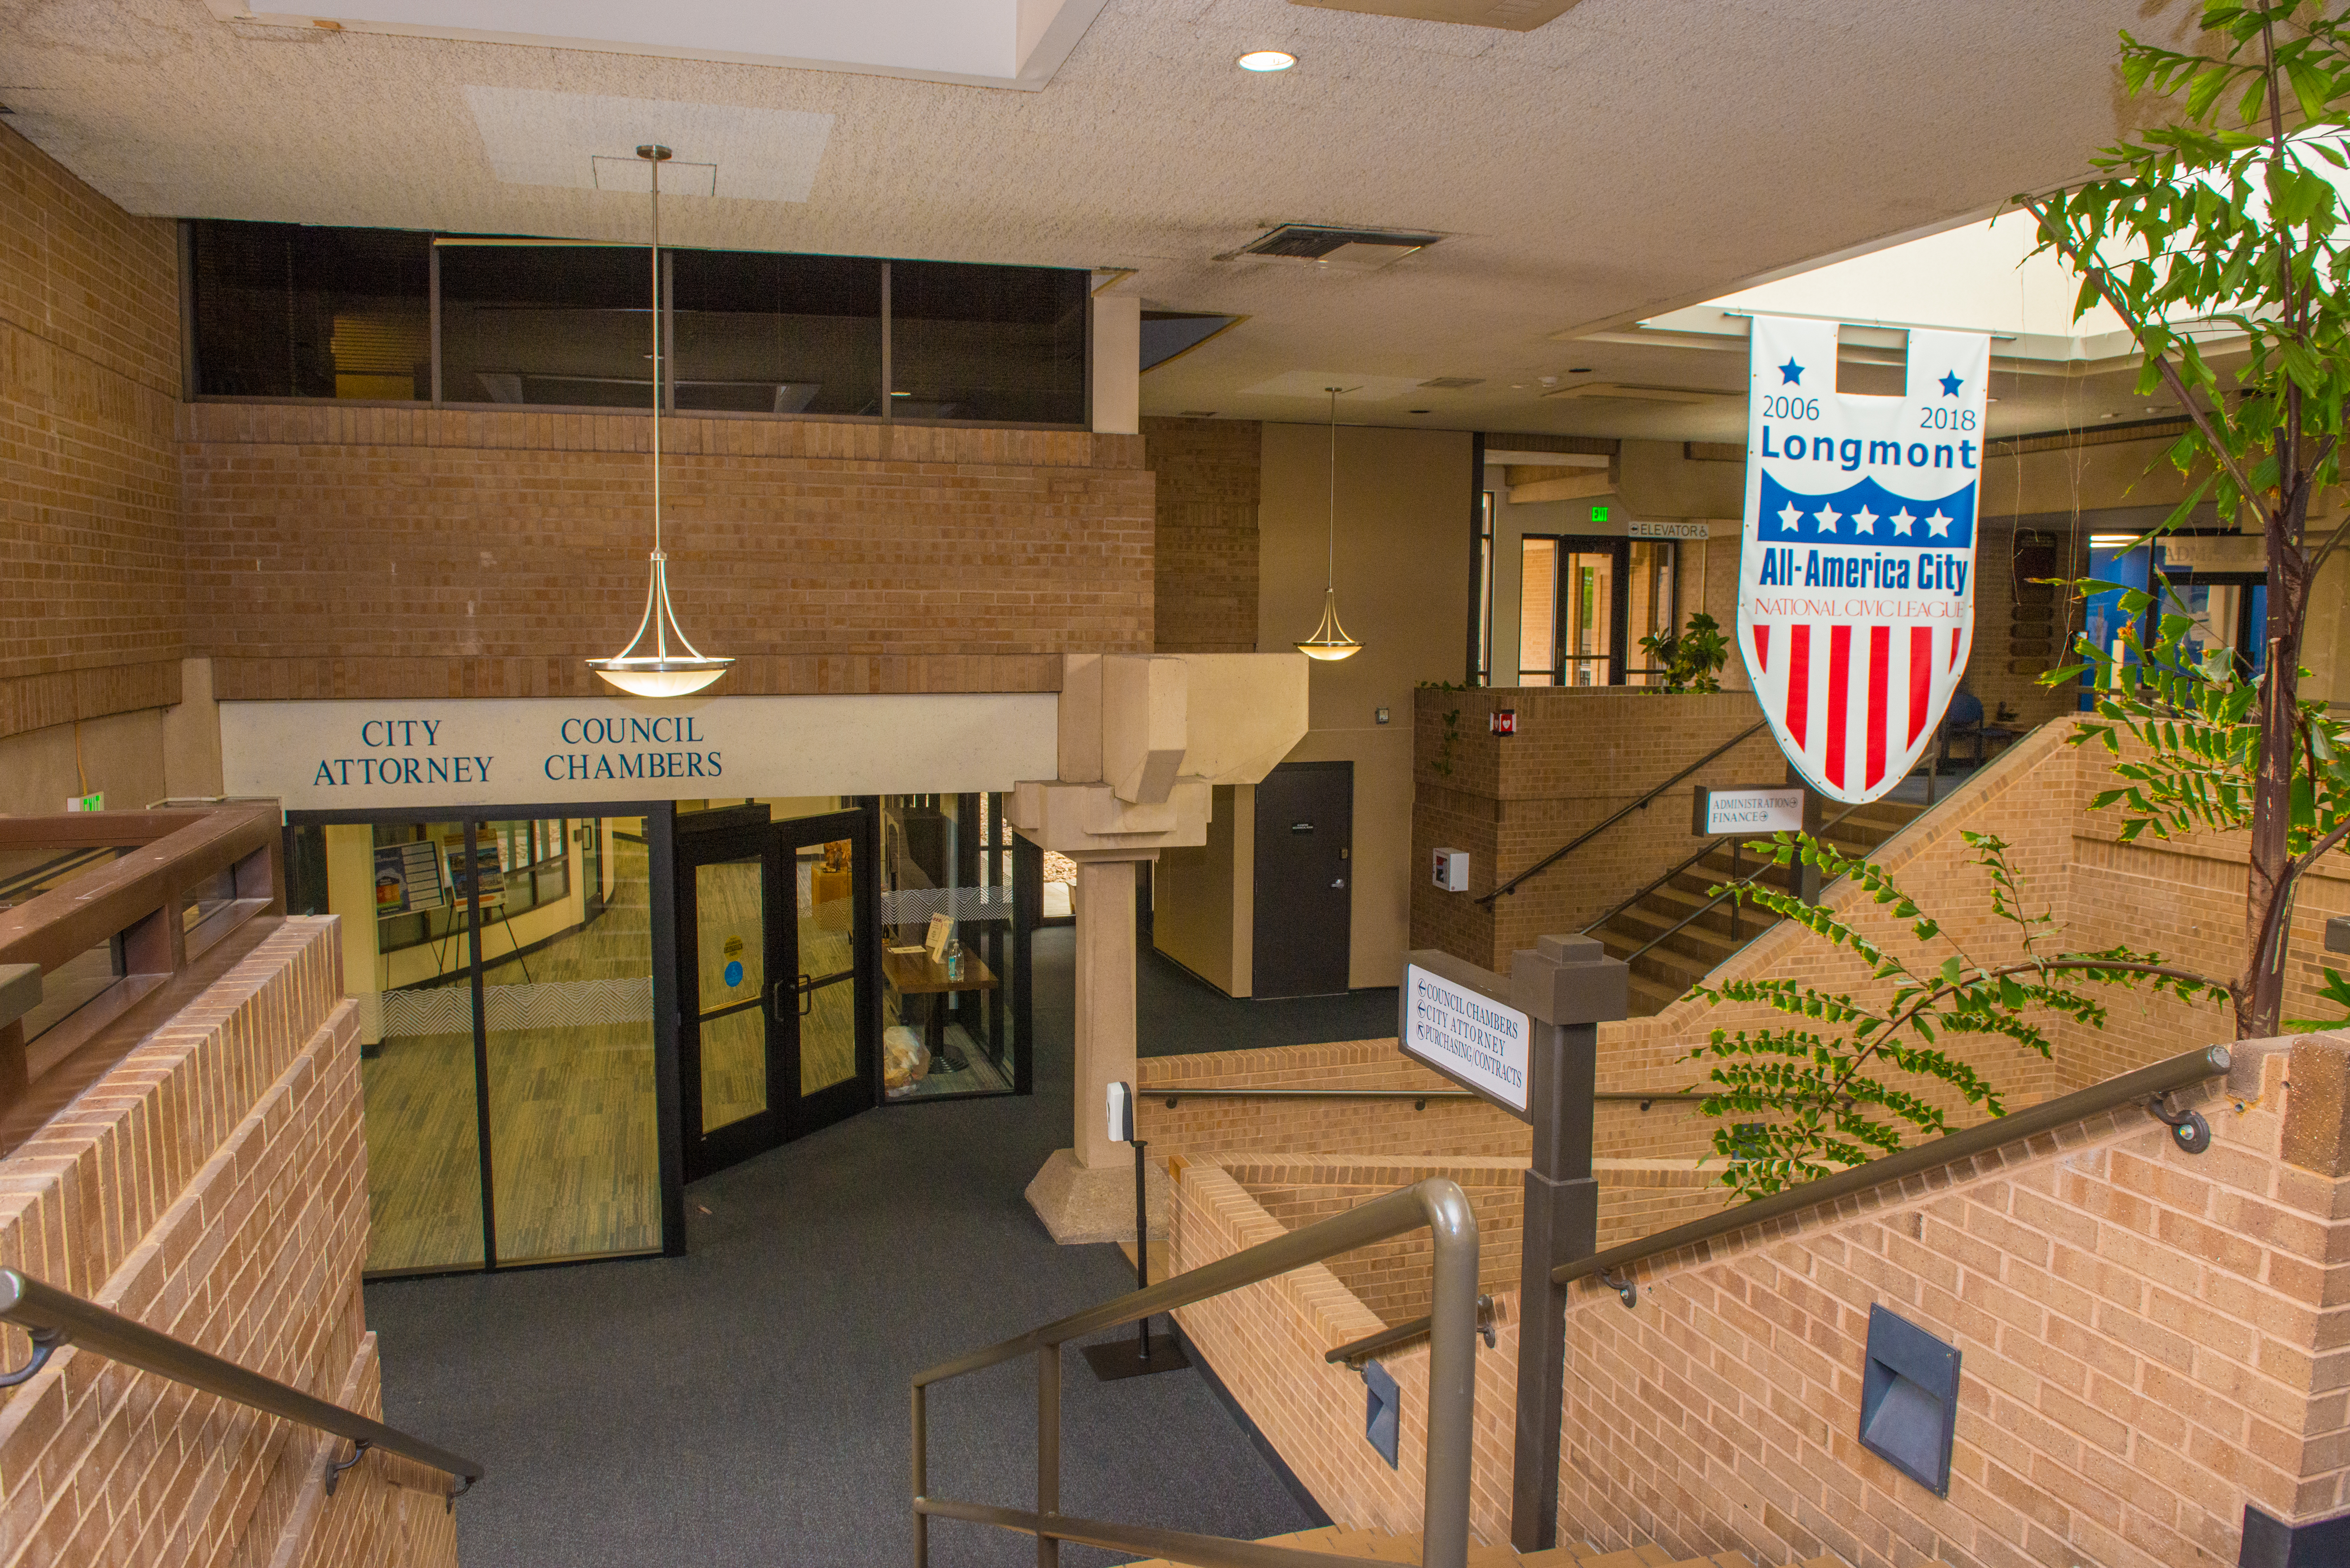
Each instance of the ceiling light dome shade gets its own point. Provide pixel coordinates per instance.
(1266, 60)
(1329, 639)
(660, 673)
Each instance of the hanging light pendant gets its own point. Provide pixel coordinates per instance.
(1330, 640)
(659, 672)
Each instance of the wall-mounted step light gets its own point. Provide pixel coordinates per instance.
(1909, 1399)
(1382, 1412)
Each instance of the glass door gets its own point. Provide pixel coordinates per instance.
(773, 961)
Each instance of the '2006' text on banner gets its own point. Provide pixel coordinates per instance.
(1856, 575)
(1477, 1041)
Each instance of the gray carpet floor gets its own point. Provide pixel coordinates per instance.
(747, 1404)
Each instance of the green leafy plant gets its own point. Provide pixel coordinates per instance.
(1692, 658)
(1851, 1080)
(2217, 241)
(1449, 737)
(2194, 761)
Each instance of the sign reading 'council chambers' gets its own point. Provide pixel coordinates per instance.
(1477, 1041)
(336, 755)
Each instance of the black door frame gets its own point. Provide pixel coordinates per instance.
(1619, 610)
(788, 1115)
(659, 817)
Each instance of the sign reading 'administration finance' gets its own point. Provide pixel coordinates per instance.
(1856, 579)
(1477, 1041)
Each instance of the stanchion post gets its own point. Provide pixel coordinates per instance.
(1567, 986)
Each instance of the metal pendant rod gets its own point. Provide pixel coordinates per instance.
(653, 155)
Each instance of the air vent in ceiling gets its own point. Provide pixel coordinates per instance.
(1451, 383)
(1517, 16)
(1618, 391)
(1364, 250)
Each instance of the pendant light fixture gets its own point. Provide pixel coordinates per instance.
(660, 673)
(1330, 640)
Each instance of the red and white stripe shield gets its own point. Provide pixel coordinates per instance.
(1855, 579)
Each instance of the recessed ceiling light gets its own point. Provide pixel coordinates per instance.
(1580, 370)
(1266, 60)
(1418, 410)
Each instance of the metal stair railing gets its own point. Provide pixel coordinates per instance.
(57, 1318)
(1435, 1203)
(2151, 1086)
(1726, 889)
(1580, 839)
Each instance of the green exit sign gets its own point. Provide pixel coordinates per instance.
(96, 801)
(1599, 515)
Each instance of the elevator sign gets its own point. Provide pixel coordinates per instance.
(1478, 1042)
(1855, 586)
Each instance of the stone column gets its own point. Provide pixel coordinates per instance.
(1085, 1192)
(1106, 966)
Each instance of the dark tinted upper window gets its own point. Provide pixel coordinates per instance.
(777, 334)
(286, 311)
(566, 325)
(1003, 343)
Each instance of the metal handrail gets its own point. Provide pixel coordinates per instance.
(1723, 891)
(1709, 846)
(2150, 1084)
(1580, 839)
(56, 1318)
(1435, 1202)
(1421, 1097)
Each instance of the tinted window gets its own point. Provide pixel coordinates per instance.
(287, 311)
(777, 334)
(562, 324)
(1003, 343)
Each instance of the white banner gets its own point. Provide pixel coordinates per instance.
(1855, 592)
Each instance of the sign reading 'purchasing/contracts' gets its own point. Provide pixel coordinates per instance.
(1477, 1041)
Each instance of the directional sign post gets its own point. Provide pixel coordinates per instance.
(1529, 1042)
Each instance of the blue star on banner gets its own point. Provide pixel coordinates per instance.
(1791, 374)
(1950, 384)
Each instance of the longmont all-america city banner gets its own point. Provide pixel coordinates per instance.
(1855, 579)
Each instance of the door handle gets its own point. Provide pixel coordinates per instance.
(808, 997)
(776, 999)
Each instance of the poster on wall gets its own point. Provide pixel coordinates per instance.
(1855, 575)
(490, 862)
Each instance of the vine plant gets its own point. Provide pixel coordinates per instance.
(1851, 1080)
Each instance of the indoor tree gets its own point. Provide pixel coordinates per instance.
(2221, 231)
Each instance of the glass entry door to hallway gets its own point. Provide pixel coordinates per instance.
(774, 960)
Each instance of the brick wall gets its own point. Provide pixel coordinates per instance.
(1579, 755)
(89, 371)
(1205, 568)
(340, 552)
(2147, 1340)
(213, 1186)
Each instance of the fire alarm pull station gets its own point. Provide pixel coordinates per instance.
(1452, 870)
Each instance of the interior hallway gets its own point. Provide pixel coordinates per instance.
(747, 1404)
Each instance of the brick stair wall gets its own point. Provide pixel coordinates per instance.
(214, 1186)
(2148, 1342)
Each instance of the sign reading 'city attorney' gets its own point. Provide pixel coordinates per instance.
(346, 755)
(1475, 1040)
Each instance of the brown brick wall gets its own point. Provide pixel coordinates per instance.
(211, 1187)
(90, 598)
(1578, 756)
(1207, 473)
(2148, 1341)
(357, 551)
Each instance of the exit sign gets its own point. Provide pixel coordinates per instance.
(1599, 515)
(95, 801)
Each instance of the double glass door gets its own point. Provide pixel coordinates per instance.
(774, 927)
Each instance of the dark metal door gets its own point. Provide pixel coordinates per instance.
(777, 1030)
(1304, 879)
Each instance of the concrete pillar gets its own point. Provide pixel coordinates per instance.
(1085, 1192)
(1117, 364)
(1106, 966)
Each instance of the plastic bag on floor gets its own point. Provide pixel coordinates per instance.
(905, 1060)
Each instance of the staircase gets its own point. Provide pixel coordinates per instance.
(1405, 1548)
(1664, 971)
